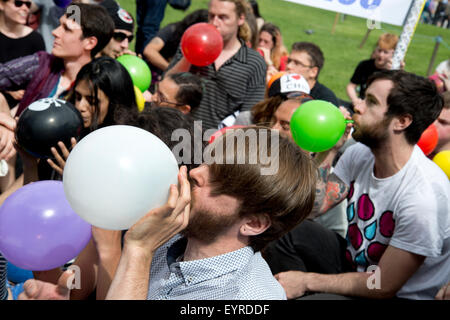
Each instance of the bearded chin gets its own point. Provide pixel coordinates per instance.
(374, 136)
(206, 227)
(368, 139)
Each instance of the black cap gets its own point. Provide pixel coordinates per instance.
(122, 19)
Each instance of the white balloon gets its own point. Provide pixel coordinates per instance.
(117, 174)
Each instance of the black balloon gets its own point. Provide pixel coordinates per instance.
(45, 122)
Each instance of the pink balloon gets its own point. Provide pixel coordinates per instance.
(220, 132)
(201, 44)
(38, 228)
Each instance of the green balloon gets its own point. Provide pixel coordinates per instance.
(317, 125)
(138, 70)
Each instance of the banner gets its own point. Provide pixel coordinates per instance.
(386, 11)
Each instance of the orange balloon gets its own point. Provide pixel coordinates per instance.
(275, 77)
(428, 140)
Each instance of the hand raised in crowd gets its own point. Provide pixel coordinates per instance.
(128, 51)
(61, 158)
(17, 95)
(328, 155)
(266, 55)
(7, 136)
(147, 96)
(388, 65)
(348, 128)
(161, 224)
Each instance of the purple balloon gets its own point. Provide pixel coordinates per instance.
(38, 228)
(62, 3)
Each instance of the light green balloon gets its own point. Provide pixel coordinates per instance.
(138, 70)
(317, 125)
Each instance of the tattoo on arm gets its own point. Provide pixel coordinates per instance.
(329, 192)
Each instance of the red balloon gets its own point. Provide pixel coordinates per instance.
(220, 132)
(428, 140)
(201, 44)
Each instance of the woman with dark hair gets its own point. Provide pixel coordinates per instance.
(164, 45)
(102, 88)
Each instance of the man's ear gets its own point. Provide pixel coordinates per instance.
(402, 122)
(89, 43)
(241, 20)
(255, 224)
(313, 72)
(185, 108)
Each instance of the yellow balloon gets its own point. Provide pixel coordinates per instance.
(442, 159)
(140, 101)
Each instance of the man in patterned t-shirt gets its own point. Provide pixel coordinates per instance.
(229, 212)
(398, 199)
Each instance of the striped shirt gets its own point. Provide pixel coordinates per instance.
(237, 86)
(238, 275)
(3, 290)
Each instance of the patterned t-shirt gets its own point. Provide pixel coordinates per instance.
(409, 211)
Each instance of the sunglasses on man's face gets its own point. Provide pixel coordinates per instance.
(19, 3)
(120, 36)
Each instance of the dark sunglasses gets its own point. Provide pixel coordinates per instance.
(19, 3)
(120, 36)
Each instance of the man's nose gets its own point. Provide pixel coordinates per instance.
(359, 107)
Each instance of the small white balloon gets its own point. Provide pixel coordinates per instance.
(117, 174)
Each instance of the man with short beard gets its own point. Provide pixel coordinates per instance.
(398, 201)
(231, 212)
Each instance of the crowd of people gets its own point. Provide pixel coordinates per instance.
(320, 226)
(437, 12)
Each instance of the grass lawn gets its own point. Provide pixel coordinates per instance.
(341, 49)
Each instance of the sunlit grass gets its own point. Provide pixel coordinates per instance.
(341, 49)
